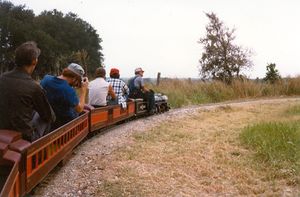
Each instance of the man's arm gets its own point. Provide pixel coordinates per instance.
(111, 92)
(42, 106)
(125, 89)
(142, 85)
(144, 89)
(82, 94)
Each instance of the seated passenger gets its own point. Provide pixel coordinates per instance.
(137, 89)
(21, 97)
(62, 95)
(99, 89)
(120, 88)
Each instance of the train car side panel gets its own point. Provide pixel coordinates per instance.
(131, 108)
(120, 114)
(99, 118)
(10, 175)
(106, 116)
(44, 154)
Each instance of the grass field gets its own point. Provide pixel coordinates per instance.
(224, 151)
(186, 92)
(242, 149)
(275, 143)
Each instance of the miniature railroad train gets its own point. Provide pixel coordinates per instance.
(23, 164)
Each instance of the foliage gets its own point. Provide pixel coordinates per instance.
(16, 25)
(276, 143)
(222, 59)
(60, 37)
(272, 74)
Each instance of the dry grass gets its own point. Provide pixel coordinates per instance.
(186, 92)
(198, 155)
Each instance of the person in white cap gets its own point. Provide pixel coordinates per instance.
(137, 89)
(62, 95)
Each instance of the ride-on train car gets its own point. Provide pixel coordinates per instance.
(23, 164)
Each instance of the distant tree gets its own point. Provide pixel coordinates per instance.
(272, 74)
(222, 59)
(68, 35)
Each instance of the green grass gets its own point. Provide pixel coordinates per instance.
(275, 143)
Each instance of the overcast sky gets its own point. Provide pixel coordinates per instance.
(161, 35)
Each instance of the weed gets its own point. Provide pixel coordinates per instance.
(275, 143)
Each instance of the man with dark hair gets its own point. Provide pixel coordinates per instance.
(137, 89)
(120, 88)
(21, 96)
(99, 89)
(62, 95)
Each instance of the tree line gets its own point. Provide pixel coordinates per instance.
(63, 38)
(66, 38)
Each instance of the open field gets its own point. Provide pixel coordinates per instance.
(194, 151)
(186, 92)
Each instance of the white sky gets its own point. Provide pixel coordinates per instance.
(161, 35)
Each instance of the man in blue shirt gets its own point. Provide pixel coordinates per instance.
(62, 95)
(137, 89)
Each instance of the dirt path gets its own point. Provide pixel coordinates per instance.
(125, 162)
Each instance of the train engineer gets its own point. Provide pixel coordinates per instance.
(22, 98)
(137, 89)
(60, 91)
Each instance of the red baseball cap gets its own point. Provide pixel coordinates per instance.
(114, 71)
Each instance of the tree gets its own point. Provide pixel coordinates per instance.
(67, 35)
(272, 74)
(222, 59)
(59, 36)
(15, 28)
